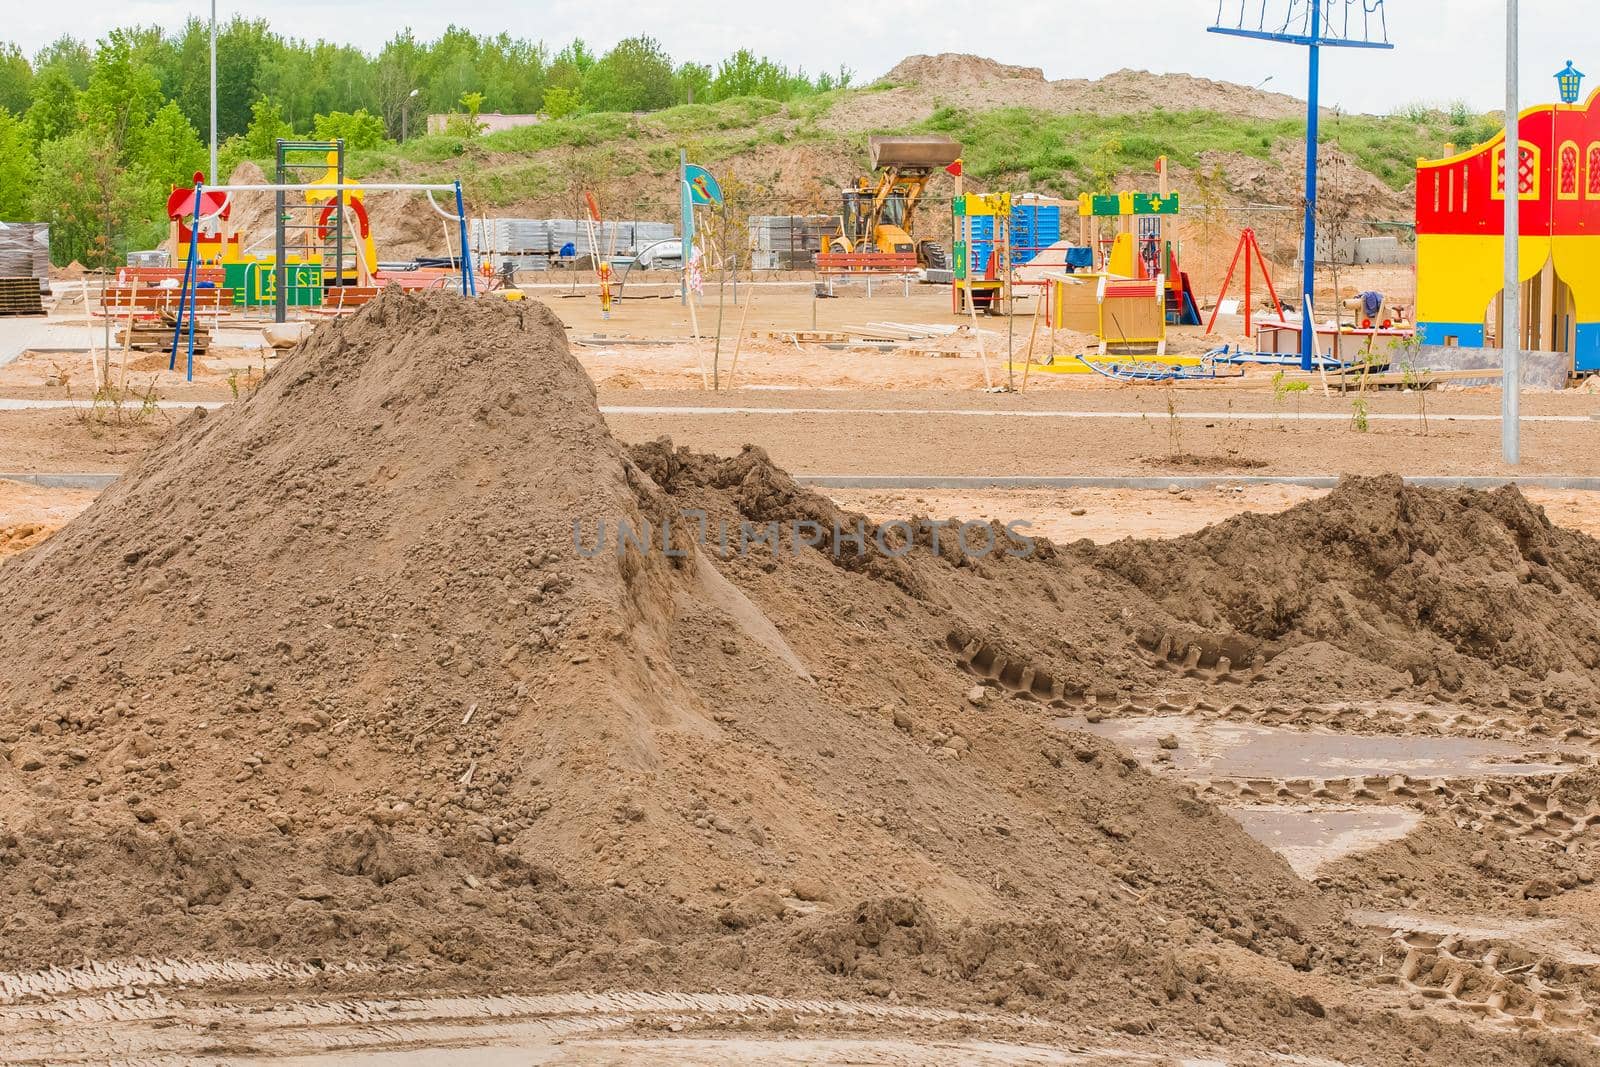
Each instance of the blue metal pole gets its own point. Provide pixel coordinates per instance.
(1308, 280)
(189, 269)
(469, 286)
(194, 281)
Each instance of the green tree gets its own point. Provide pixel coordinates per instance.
(244, 47)
(266, 127)
(124, 91)
(18, 168)
(693, 83)
(512, 73)
(70, 56)
(398, 73)
(89, 198)
(570, 65)
(746, 74)
(359, 129)
(560, 101)
(473, 104)
(54, 111)
(841, 80)
(636, 75)
(16, 79)
(170, 152)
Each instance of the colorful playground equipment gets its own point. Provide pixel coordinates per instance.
(1249, 250)
(980, 251)
(1128, 314)
(1142, 246)
(1360, 24)
(249, 272)
(1461, 234)
(320, 272)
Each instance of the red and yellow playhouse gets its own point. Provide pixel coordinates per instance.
(1461, 237)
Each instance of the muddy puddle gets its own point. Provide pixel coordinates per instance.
(1310, 838)
(1241, 750)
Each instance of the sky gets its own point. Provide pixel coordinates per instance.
(1444, 52)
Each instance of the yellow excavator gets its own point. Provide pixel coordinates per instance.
(877, 212)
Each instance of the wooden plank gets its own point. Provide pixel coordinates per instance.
(810, 336)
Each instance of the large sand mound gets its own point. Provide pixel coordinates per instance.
(329, 675)
(955, 68)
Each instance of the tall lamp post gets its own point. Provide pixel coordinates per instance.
(405, 114)
(213, 92)
(1511, 315)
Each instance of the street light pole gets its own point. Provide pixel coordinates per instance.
(405, 115)
(214, 92)
(1511, 313)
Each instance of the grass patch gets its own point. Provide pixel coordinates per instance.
(1067, 153)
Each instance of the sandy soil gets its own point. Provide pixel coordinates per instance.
(834, 434)
(830, 442)
(29, 513)
(836, 731)
(1104, 515)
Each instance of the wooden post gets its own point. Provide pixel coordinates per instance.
(699, 355)
(1033, 333)
(127, 332)
(972, 309)
(738, 341)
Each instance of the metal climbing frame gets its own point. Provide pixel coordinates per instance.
(292, 169)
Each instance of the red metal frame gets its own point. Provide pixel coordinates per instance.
(1247, 245)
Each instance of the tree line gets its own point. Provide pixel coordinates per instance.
(92, 138)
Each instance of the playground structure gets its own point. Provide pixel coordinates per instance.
(1142, 246)
(981, 282)
(1127, 314)
(204, 209)
(323, 254)
(324, 242)
(1461, 233)
(1249, 250)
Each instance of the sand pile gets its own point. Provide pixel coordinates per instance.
(329, 675)
(955, 68)
(1467, 595)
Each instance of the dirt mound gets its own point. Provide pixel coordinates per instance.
(1471, 594)
(335, 651)
(956, 68)
(402, 659)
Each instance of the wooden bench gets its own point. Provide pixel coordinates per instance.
(340, 298)
(866, 262)
(123, 299)
(867, 265)
(152, 276)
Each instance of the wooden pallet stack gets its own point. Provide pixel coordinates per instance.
(20, 296)
(155, 335)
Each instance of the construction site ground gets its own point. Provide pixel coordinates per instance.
(1428, 837)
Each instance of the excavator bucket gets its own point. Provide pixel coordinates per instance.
(929, 152)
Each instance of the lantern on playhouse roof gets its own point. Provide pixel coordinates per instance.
(1569, 80)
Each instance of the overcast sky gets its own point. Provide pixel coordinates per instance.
(1444, 51)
